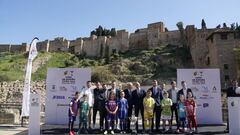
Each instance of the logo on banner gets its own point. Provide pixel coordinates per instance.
(205, 105)
(194, 89)
(68, 78)
(205, 89)
(62, 88)
(35, 102)
(196, 73)
(198, 78)
(74, 88)
(53, 88)
(214, 90)
(58, 97)
(62, 104)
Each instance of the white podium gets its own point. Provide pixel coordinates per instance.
(234, 115)
(34, 117)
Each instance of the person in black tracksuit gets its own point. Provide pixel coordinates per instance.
(99, 103)
(138, 95)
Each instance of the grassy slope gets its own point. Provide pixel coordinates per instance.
(135, 65)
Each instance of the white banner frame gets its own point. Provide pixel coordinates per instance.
(61, 85)
(206, 87)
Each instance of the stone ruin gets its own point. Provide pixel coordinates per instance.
(11, 99)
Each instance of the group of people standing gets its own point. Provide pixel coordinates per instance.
(119, 108)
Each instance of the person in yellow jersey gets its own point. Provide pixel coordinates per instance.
(148, 104)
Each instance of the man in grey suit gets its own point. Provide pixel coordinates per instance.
(173, 93)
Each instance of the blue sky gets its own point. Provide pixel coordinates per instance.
(21, 20)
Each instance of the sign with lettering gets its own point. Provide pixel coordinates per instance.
(61, 85)
(206, 88)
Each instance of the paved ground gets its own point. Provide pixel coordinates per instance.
(62, 130)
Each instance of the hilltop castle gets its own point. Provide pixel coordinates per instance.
(209, 47)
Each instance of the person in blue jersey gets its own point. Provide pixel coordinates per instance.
(182, 114)
(123, 112)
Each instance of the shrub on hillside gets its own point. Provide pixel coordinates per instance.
(101, 74)
(138, 68)
(4, 78)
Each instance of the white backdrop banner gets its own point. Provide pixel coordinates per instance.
(61, 85)
(205, 84)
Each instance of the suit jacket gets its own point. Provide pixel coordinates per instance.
(128, 96)
(170, 93)
(117, 94)
(231, 92)
(157, 96)
(180, 92)
(137, 97)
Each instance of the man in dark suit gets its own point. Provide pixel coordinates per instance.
(128, 96)
(138, 94)
(157, 95)
(113, 89)
(184, 90)
(231, 92)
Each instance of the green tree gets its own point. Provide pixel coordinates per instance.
(204, 24)
(113, 32)
(224, 25)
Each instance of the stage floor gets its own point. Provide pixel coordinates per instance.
(62, 130)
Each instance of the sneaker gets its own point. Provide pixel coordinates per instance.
(112, 132)
(196, 131)
(105, 132)
(85, 132)
(118, 127)
(72, 133)
(89, 128)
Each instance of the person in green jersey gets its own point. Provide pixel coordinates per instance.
(83, 117)
(166, 104)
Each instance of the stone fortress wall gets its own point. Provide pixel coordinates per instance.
(205, 54)
(144, 38)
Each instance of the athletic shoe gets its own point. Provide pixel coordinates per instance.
(105, 132)
(112, 132)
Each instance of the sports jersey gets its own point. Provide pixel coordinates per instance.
(148, 104)
(74, 105)
(166, 104)
(181, 110)
(84, 107)
(190, 107)
(122, 107)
